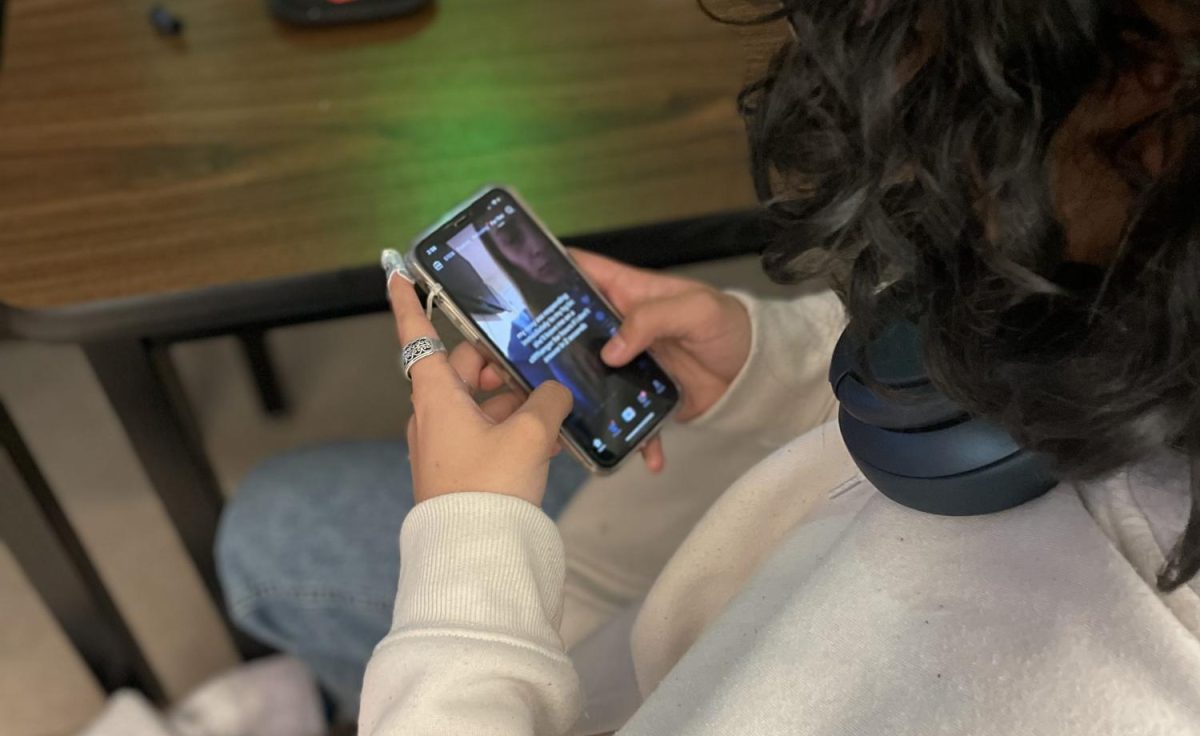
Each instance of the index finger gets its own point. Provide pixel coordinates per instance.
(412, 323)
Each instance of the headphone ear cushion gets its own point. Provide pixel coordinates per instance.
(930, 452)
(895, 358)
(960, 470)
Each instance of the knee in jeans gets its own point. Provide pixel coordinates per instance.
(243, 552)
(293, 509)
(250, 547)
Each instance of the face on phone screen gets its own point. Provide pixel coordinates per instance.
(532, 305)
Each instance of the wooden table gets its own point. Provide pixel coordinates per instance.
(246, 174)
(134, 164)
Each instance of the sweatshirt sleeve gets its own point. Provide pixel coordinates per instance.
(783, 389)
(474, 646)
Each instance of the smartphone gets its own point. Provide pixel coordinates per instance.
(512, 289)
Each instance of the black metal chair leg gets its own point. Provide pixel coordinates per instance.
(266, 377)
(49, 552)
(144, 390)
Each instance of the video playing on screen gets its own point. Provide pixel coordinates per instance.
(530, 302)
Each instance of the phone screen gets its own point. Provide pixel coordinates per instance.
(531, 303)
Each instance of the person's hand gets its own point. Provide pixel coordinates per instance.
(699, 334)
(455, 444)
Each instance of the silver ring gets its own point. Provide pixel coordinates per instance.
(417, 350)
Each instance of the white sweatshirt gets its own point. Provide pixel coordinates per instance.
(762, 586)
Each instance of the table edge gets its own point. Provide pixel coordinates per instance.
(226, 308)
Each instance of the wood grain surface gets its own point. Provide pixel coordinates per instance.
(133, 164)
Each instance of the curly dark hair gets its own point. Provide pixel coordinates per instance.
(905, 147)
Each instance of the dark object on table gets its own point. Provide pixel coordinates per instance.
(165, 22)
(333, 12)
(3, 14)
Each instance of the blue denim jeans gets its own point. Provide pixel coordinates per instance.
(308, 553)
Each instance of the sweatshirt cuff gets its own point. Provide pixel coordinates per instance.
(484, 562)
(783, 389)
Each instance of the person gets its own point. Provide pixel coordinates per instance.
(1015, 178)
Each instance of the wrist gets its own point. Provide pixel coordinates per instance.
(782, 388)
(741, 336)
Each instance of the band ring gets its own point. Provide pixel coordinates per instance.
(417, 350)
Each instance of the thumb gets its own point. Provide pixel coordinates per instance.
(544, 412)
(675, 316)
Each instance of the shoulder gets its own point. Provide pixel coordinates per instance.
(1143, 510)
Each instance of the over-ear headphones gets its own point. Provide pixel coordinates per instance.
(917, 446)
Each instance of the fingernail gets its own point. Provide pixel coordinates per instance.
(614, 349)
(393, 264)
